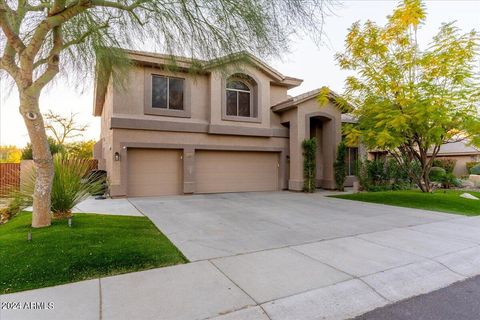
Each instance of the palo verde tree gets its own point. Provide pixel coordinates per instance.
(41, 38)
(408, 100)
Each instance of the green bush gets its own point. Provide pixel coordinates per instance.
(27, 153)
(340, 166)
(470, 165)
(475, 169)
(437, 174)
(382, 175)
(449, 181)
(445, 163)
(309, 164)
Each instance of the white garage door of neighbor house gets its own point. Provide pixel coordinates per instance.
(236, 171)
(154, 172)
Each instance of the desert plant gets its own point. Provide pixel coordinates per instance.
(309, 164)
(340, 166)
(445, 163)
(71, 185)
(475, 169)
(437, 174)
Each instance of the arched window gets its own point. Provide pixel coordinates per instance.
(239, 99)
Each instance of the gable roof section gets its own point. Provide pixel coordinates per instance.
(294, 102)
(186, 64)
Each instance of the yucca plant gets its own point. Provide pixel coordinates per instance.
(71, 185)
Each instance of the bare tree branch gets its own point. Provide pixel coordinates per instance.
(63, 128)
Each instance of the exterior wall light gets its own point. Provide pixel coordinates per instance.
(116, 156)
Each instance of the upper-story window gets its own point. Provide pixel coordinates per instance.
(239, 99)
(167, 92)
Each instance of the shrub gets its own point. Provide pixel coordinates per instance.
(340, 166)
(71, 185)
(470, 165)
(475, 169)
(383, 174)
(449, 181)
(445, 163)
(437, 174)
(378, 172)
(309, 164)
(27, 153)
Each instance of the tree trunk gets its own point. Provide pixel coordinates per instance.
(42, 158)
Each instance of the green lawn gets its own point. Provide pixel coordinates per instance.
(96, 245)
(441, 200)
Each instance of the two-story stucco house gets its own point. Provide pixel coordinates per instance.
(218, 130)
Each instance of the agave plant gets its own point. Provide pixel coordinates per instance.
(72, 184)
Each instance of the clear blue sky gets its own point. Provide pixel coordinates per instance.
(304, 60)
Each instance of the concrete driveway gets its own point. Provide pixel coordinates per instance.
(220, 225)
(285, 256)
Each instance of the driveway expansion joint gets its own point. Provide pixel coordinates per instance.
(349, 274)
(241, 289)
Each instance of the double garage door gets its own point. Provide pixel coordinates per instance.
(155, 172)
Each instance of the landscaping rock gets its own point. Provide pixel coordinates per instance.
(475, 178)
(469, 196)
(467, 184)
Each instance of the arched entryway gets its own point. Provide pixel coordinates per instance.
(322, 127)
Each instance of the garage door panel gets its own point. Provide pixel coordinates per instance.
(154, 172)
(236, 171)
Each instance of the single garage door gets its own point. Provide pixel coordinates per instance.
(236, 171)
(154, 172)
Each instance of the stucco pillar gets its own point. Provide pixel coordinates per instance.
(188, 170)
(297, 135)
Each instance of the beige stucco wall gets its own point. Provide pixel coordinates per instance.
(277, 94)
(205, 93)
(206, 99)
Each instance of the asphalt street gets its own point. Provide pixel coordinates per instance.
(460, 301)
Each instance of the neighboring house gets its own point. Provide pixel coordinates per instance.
(462, 153)
(221, 129)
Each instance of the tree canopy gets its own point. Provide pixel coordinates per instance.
(410, 100)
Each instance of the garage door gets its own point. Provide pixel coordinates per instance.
(232, 171)
(154, 172)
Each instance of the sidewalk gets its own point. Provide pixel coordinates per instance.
(261, 285)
